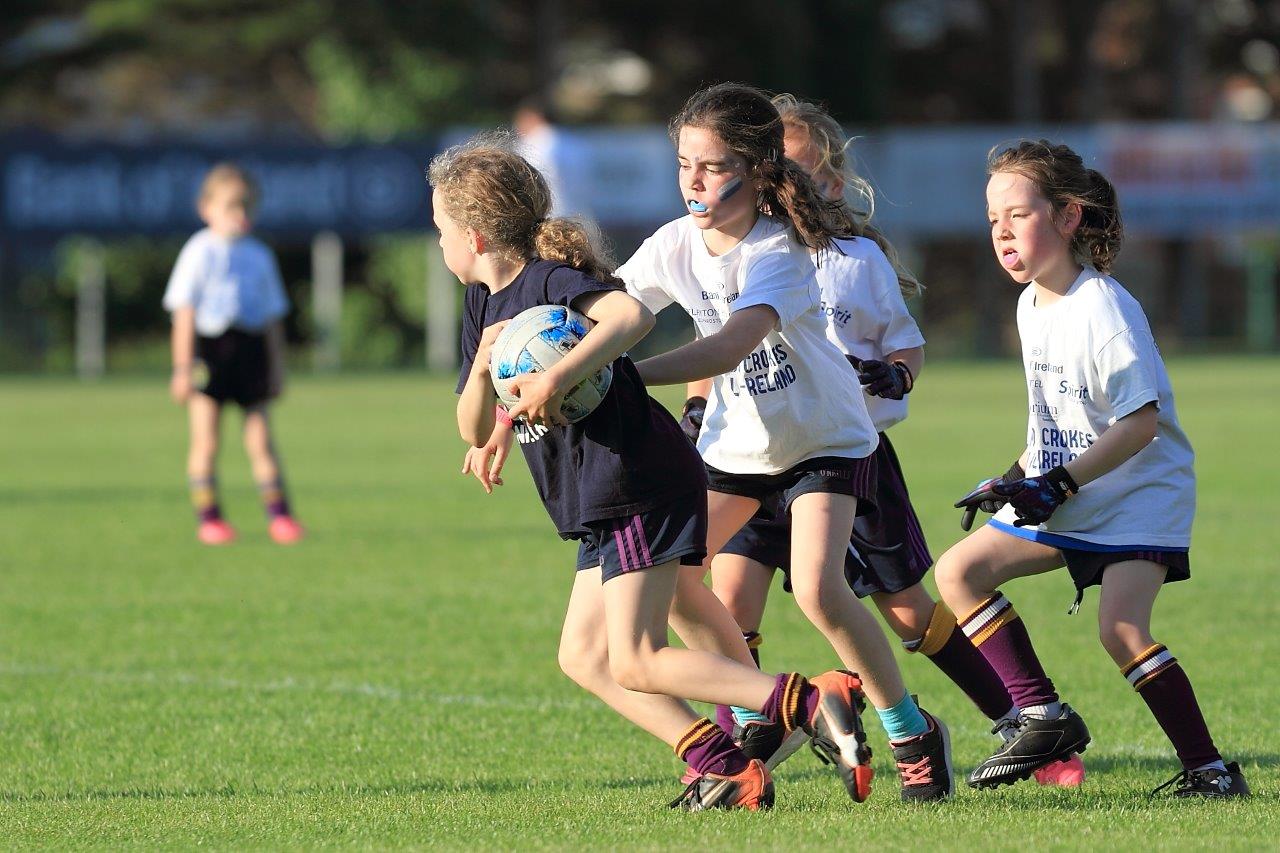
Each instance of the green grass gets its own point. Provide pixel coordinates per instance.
(392, 680)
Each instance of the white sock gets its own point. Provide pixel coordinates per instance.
(1212, 765)
(1047, 711)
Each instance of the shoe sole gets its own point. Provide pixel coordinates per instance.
(856, 777)
(946, 754)
(1019, 775)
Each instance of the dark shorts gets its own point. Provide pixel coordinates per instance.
(233, 366)
(838, 475)
(1086, 567)
(677, 530)
(890, 522)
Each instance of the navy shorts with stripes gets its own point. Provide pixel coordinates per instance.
(888, 521)
(674, 531)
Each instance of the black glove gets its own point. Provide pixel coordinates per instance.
(691, 417)
(1034, 499)
(985, 498)
(891, 381)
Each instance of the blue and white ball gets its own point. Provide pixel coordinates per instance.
(538, 338)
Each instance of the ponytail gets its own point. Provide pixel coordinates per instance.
(575, 243)
(488, 187)
(789, 193)
(1097, 239)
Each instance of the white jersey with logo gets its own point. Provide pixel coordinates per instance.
(795, 397)
(866, 314)
(1090, 360)
(229, 282)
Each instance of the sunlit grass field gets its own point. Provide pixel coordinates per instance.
(391, 681)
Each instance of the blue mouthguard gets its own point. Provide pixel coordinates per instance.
(697, 206)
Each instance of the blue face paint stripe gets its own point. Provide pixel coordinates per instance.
(730, 188)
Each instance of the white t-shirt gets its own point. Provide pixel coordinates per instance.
(794, 397)
(1090, 360)
(228, 282)
(866, 314)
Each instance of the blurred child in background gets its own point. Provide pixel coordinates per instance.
(227, 302)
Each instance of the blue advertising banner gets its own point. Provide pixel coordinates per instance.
(50, 187)
(1174, 180)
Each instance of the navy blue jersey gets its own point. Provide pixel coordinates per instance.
(628, 456)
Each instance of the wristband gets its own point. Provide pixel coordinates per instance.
(1015, 473)
(503, 416)
(693, 403)
(911, 379)
(1061, 479)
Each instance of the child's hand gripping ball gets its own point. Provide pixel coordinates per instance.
(534, 341)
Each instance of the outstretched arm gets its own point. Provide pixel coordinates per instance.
(714, 354)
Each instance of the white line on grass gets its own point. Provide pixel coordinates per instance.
(291, 684)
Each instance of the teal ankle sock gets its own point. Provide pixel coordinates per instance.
(903, 720)
(744, 715)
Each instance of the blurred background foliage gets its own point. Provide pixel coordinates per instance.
(329, 71)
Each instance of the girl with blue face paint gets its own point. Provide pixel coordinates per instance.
(786, 425)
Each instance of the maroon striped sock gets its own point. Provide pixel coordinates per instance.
(707, 749)
(947, 647)
(1000, 635)
(1164, 686)
(204, 497)
(274, 498)
(961, 661)
(724, 719)
(792, 701)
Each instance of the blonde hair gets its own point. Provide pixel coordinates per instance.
(1063, 178)
(486, 186)
(225, 173)
(831, 145)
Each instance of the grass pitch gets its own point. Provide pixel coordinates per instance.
(392, 681)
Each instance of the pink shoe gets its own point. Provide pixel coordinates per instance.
(216, 532)
(284, 530)
(690, 776)
(1062, 774)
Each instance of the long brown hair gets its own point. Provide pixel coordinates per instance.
(1063, 178)
(828, 140)
(749, 125)
(486, 186)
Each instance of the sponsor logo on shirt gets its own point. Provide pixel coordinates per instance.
(712, 296)
(527, 433)
(1079, 393)
(1054, 446)
(837, 314)
(763, 371)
